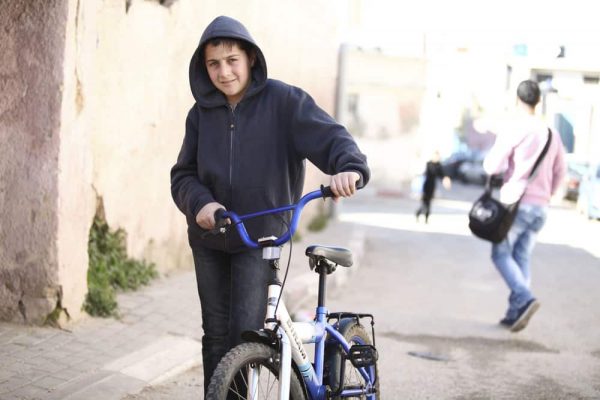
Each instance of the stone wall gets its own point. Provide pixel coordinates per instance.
(31, 77)
(95, 95)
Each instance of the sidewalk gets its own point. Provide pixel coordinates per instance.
(158, 336)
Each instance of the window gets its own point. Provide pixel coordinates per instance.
(543, 77)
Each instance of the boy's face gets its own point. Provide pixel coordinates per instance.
(228, 69)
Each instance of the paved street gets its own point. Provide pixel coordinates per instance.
(436, 295)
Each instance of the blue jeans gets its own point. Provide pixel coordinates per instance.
(233, 298)
(511, 256)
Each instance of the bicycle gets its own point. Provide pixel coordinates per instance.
(272, 363)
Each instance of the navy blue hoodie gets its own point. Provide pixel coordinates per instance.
(252, 157)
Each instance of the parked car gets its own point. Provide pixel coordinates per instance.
(471, 171)
(465, 166)
(588, 201)
(451, 164)
(575, 171)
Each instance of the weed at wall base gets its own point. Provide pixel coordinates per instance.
(318, 223)
(110, 270)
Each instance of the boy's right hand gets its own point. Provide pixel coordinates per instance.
(206, 216)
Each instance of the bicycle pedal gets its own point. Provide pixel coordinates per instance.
(363, 355)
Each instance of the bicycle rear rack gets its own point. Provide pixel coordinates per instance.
(360, 355)
(356, 316)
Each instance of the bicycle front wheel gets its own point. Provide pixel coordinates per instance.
(251, 362)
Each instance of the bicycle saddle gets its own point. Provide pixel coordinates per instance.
(337, 255)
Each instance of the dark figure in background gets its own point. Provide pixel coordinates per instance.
(433, 171)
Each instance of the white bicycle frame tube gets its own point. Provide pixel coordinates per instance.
(285, 367)
(285, 370)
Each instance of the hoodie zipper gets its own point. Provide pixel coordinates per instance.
(231, 134)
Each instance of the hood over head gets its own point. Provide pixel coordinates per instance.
(205, 93)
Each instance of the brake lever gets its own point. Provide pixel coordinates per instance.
(217, 230)
(220, 224)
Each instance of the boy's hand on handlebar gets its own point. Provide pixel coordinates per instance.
(206, 216)
(344, 184)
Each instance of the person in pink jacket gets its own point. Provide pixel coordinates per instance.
(513, 155)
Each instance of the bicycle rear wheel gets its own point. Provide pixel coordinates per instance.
(354, 333)
(230, 379)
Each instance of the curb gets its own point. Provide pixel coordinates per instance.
(151, 365)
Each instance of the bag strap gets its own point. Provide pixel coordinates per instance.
(541, 156)
(538, 162)
(488, 184)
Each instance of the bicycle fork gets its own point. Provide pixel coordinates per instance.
(285, 354)
(289, 340)
(285, 370)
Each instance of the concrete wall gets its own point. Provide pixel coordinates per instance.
(93, 116)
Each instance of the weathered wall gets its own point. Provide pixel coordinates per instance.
(31, 48)
(94, 113)
(76, 200)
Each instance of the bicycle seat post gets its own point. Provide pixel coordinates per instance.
(323, 268)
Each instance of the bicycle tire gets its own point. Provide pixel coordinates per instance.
(230, 374)
(354, 333)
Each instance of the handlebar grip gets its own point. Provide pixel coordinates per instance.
(326, 191)
(220, 221)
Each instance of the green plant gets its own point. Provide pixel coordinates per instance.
(318, 223)
(297, 237)
(110, 269)
(53, 318)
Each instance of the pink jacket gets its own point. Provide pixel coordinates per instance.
(514, 153)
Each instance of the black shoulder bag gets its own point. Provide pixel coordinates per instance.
(489, 219)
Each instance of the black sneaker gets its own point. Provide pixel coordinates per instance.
(506, 322)
(525, 314)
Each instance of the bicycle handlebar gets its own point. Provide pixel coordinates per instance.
(237, 220)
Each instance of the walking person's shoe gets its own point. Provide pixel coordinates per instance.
(506, 322)
(524, 315)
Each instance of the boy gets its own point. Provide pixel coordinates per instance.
(245, 144)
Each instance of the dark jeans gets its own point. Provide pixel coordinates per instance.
(233, 298)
